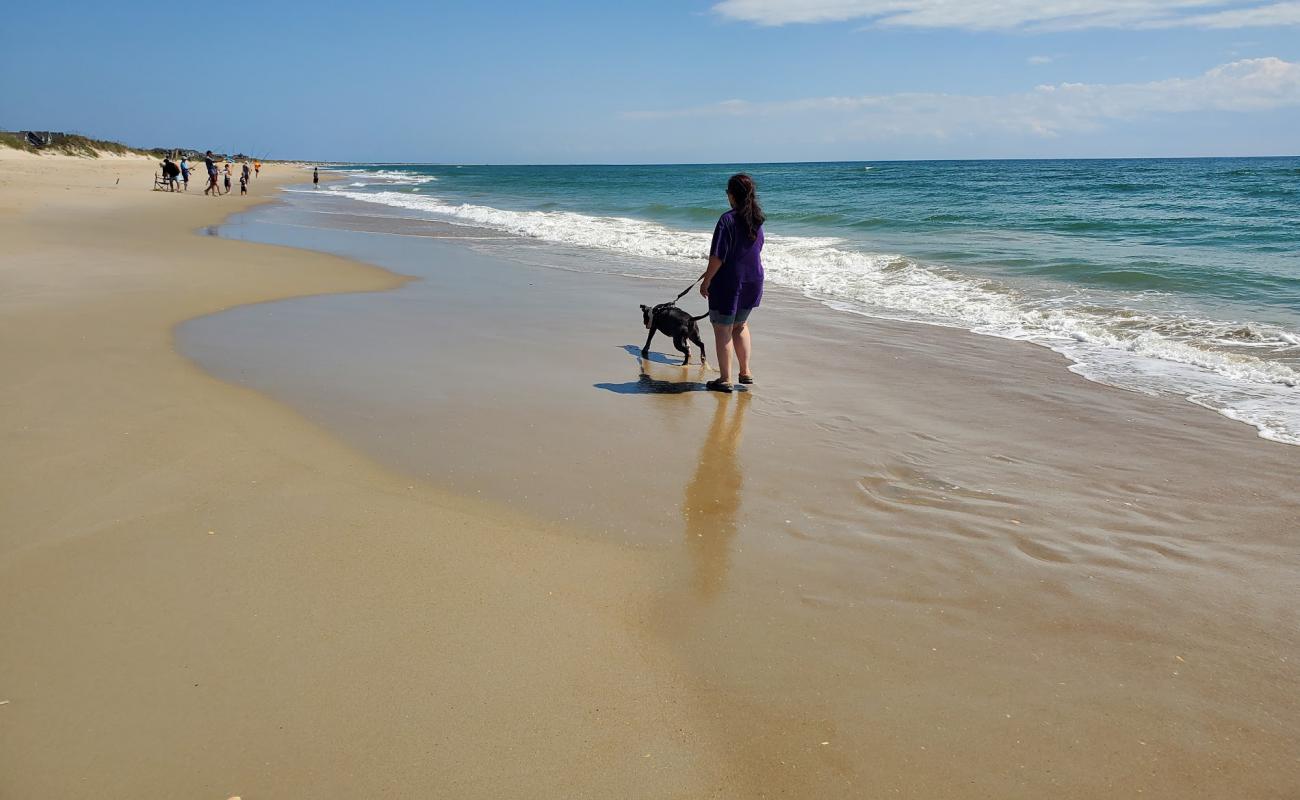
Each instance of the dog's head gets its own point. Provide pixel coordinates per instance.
(646, 313)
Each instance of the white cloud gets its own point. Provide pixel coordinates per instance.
(1047, 111)
(1019, 14)
(1260, 16)
(1039, 60)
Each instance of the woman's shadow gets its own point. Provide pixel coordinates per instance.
(712, 501)
(645, 383)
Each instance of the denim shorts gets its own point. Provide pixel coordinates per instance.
(718, 318)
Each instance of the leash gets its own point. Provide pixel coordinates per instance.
(673, 302)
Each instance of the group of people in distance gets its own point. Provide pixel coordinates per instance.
(178, 175)
(245, 175)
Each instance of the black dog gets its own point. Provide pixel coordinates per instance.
(676, 323)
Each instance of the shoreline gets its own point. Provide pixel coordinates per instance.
(1207, 344)
(459, 232)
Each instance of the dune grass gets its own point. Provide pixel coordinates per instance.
(74, 144)
(16, 142)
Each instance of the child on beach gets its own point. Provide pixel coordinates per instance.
(315, 177)
(227, 181)
(243, 184)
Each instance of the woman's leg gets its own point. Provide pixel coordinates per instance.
(740, 339)
(722, 345)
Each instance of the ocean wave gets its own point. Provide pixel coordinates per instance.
(1140, 350)
(810, 218)
(1138, 276)
(391, 176)
(695, 213)
(869, 223)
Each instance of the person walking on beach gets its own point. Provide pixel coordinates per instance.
(212, 175)
(257, 168)
(185, 172)
(733, 282)
(243, 183)
(315, 177)
(244, 172)
(227, 177)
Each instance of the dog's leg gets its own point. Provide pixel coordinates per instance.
(679, 341)
(645, 351)
(695, 337)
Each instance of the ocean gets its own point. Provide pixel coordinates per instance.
(1172, 277)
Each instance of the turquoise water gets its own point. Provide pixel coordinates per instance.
(1166, 276)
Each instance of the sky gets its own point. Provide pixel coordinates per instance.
(663, 82)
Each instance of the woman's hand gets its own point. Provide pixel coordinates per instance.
(715, 264)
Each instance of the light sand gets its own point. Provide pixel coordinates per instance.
(205, 596)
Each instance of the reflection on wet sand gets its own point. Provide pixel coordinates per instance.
(712, 498)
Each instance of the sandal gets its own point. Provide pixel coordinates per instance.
(718, 385)
(748, 380)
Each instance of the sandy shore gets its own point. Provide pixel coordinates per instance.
(572, 580)
(206, 596)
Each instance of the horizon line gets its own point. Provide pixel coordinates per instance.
(774, 163)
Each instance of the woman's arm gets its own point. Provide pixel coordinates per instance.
(715, 264)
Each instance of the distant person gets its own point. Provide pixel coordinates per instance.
(257, 168)
(244, 170)
(315, 177)
(170, 172)
(185, 172)
(733, 283)
(212, 175)
(227, 180)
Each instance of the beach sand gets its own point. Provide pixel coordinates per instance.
(982, 577)
(204, 596)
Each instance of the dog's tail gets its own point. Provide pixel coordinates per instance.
(700, 317)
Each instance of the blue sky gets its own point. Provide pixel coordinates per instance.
(740, 80)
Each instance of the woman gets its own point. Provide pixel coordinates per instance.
(733, 282)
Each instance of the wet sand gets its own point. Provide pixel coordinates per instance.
(912, 562)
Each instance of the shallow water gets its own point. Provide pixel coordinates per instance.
(1175, 276)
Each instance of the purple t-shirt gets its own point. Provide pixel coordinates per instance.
(739, 282)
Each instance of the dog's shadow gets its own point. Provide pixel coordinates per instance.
(658, 358)
(644, 384)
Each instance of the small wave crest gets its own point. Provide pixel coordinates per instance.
(392, 177)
